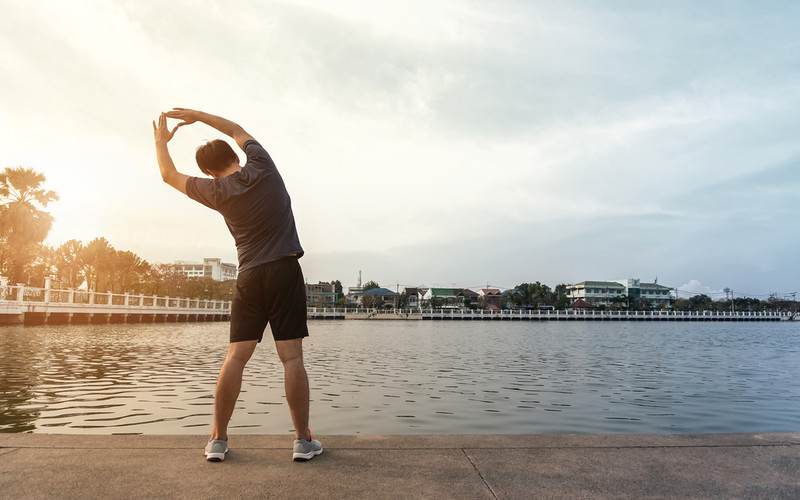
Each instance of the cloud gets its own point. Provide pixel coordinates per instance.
(694, 287)
(447, 141)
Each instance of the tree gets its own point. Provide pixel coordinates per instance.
(128, 269)
(531, 294)
(69, 264)
(41, 266)
(368, 301)
(511, 297)
(98, 264)
(700, 302)
(369, 285)
(338, 289)
(23, 222)
(619, 302)
(681, 304)
(558, 291)
(562, 302)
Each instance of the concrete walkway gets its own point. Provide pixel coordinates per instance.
(376, 467)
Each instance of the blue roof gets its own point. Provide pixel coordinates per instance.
(378, 291)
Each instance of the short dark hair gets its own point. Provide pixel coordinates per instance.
(215, 156)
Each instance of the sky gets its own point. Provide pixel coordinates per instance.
(445, 143)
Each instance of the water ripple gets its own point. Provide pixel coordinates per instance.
(411, 377)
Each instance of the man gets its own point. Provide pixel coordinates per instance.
(270, 288)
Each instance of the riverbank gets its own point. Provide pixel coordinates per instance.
(537, 315)
(463, 467)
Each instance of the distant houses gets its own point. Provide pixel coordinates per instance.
(586, 294)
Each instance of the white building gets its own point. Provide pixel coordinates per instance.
(210, 268)
(605, 292)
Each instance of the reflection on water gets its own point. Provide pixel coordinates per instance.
(414, 377)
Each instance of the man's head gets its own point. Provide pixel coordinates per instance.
(215, 157)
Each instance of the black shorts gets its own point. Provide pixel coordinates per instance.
(273, 293)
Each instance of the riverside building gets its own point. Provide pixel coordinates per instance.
(210, 268)
(609, 292)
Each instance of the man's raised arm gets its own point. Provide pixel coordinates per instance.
(169, 173)
(225, 126)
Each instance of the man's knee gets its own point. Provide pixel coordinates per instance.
(290, 351)
(241, 351)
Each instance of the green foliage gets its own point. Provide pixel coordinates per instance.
(337, 287)
(700, 302)
(562, 302)
(369, 285)
(530, 294)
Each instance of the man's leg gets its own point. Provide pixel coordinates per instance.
(229, 384)
(296, 384)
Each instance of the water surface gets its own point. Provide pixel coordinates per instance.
(412, 377)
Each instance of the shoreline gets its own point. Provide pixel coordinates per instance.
(522, 315)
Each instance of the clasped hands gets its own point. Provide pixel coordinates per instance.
(161, 132)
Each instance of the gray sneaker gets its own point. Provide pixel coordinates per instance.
(216, 450)
(306, 450)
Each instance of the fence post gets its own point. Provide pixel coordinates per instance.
(20, 292)
(47, 282)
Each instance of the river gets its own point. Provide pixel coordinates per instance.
(412, 377)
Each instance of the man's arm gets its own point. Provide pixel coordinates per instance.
(225, 126)
(169, 173)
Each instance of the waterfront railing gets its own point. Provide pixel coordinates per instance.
(34, 305)
(544, 315)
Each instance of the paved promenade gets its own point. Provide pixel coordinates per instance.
(376, 467)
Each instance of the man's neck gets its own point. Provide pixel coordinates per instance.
(232, 169)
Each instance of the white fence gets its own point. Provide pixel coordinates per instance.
(537, 315)
(22, 304)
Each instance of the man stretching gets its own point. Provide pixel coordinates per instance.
(270, 288)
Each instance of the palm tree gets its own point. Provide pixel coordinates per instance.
(129, 268)
(69, 263)
(98, 260)
(23, 223)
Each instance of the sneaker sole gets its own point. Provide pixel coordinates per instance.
(215, 457)
(304, 457)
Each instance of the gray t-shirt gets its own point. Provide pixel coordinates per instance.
(256, 208)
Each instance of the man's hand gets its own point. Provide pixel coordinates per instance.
(188, 116)
(225, 126)
(161, 133)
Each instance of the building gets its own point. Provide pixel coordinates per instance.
(377, 297)
(353, 297)
(210, 268)
(467, 297)
(609, 293)
(412, 297)
(491, 298)
(321, 295)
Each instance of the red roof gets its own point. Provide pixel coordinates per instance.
(580, 303)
